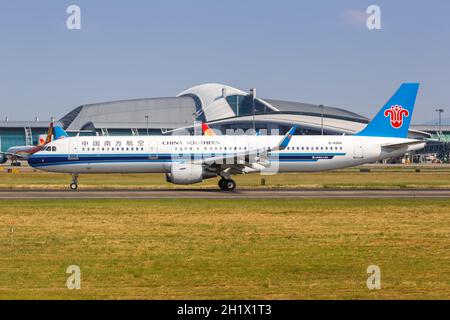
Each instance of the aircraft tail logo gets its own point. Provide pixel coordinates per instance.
(396, 114)
(399, 110)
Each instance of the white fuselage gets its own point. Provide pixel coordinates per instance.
(146, 154)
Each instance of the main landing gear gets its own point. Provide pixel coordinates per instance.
(74, 184)
(227, 184)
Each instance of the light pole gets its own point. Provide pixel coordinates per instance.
(321, 118)
(440, 110)
(253, 94)
(146, 117)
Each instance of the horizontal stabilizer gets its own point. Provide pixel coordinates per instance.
(395, 146)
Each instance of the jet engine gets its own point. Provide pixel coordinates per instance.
(3, 158)
(187, 173)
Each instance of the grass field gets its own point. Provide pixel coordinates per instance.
(351, 178)
(256, 249)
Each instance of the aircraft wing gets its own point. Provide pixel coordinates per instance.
(15, 155)
(253, 160)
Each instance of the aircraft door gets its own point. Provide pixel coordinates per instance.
(153, 149)
(73, 150)
(358, 148)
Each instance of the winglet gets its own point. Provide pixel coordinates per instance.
(286, 139)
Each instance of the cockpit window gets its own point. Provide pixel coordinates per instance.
(48, 149)
(53, 149)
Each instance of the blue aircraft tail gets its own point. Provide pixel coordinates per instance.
(60, 133)
(394, 118)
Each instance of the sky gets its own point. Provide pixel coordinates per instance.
(318, 52)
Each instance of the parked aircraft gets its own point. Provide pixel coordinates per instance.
(17, 153)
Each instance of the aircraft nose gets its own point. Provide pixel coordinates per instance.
(35, 159)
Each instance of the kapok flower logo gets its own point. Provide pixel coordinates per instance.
(396, 114)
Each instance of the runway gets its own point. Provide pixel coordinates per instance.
(217, 194)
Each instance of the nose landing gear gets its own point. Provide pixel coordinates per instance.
(74, 184)
(227, 184)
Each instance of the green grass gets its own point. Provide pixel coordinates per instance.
(435, 178)
(255, 249)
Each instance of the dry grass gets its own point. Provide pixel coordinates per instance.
(335, 179)
(179, 249)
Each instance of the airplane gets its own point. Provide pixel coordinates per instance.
(191, 159)
(17, 153)
(207, 131)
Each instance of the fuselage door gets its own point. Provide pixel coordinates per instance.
(73, 150)
(153, 149)
(358, 149)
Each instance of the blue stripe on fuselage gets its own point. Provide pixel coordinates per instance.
(63, 159)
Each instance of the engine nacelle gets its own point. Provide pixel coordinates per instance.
(185, 173)
(3, 158)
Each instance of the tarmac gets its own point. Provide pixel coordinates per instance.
(218, 194)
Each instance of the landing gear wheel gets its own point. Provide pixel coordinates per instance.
(222, 184)
(73, 186)
(230, 185)
(227, 184)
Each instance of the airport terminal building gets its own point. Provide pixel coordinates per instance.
(223, 107)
